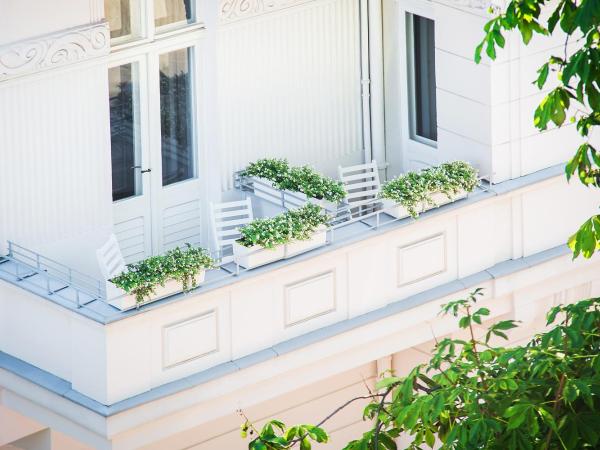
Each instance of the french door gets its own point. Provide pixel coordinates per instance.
(154, 152)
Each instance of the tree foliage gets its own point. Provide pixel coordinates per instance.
(576, 92)
(473, 394)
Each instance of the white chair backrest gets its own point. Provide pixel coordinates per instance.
(361, 183)
(227, 218)
(110, 259)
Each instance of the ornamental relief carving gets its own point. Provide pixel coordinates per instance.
(231, 10)
(66, 47)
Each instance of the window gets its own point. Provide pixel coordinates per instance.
(129, 20)
(124, 131)
(176, 116)
(173, 12)
(423, 112)
(123, 19)
(148, 71)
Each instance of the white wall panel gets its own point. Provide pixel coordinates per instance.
(54, 159)
(289, 86)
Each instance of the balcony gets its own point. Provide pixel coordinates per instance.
(372, 267)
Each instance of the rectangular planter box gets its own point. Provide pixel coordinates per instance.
(251, 257)
(394, 209)
(400, 212)
(318, 239)
(441, 199)
(127, 301)
(265, 189)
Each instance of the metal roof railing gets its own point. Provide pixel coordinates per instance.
(60, 280)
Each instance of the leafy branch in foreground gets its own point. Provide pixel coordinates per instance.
(577, 91)
(473, 394)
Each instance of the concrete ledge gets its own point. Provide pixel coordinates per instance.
(63, 388)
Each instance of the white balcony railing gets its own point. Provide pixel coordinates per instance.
(54, 280)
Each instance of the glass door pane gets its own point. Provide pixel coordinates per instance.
(176, 116)
(168, 12)
(424, 75)
(124, 131)
(123, 19)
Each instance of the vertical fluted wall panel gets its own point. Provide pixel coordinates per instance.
(289, 86)
(54, 157)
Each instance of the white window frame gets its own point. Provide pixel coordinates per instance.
(145, 51)
(412, 87)
(413, 145)
(149, 33)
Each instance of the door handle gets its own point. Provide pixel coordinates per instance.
(143, 171)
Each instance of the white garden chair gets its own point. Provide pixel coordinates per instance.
(227, 218)
(111, 263)
(362, 185)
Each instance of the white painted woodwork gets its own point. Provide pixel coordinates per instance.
(55, 158)
(289, 86)
(226, 220)
(362, 185)
(110, 259)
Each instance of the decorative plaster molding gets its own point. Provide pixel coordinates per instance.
(54, 50)
(232, 10)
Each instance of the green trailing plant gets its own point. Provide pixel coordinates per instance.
(576, 72)
(476, 394)
(414, 190)
(302, 179)
(296, 224)
(271, 169)
(142, 278)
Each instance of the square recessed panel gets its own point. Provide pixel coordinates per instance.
(310, 298)
(189, 340)
(422, 259)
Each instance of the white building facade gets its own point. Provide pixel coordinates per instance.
(129, 117)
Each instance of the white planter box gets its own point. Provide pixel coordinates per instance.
(265, 189)
(318, 239)
(440, 198)
(251, 257)
(400, 212)
(394, 209)
(171, 287)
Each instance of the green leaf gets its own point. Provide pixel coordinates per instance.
(387, 382)
(429, 438)
(305, 444)
(483, 312)
(517, 419)
(543, 76)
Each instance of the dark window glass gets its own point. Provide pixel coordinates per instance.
(176, 117)
(425, 114)
(123, 132)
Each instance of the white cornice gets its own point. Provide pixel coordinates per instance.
(54, 50)
(232, 10)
